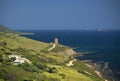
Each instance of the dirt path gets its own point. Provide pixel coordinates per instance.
(52, 47)
(71, 62)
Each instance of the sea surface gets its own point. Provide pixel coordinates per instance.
(105, 45)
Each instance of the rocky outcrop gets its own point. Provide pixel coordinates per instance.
(68, 52)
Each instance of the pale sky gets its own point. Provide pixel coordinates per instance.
(60, 14)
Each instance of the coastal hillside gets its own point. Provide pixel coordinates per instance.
(5, 29)
(23, 59)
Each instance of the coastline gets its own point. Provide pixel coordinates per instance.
(90, 64)
(101, 72)
(80, 54)
(26, 33)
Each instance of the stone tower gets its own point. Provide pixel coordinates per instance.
(56, 41)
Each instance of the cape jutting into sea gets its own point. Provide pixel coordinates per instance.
(105, 45)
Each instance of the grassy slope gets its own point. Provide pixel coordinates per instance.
(18, 41)
(70, 74)
(59, 61)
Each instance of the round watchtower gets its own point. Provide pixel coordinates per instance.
(56, 41)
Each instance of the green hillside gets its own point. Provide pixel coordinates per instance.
(5, 29)
(44, 65)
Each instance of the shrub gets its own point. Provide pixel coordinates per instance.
(53, 70)
(41, 66)
(3, 43)
(1, 58)
(32, 69)
(29, 67)
(63, 75)
(53, 79)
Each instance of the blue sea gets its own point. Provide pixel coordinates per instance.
(105, 45)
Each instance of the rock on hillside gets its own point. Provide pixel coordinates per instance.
(68, 51)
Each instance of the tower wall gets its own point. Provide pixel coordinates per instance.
(56, 41)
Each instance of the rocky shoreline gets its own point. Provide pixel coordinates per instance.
(101, 69)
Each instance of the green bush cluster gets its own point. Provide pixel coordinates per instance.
(2, 43)
(52, 70)
(29, 67)
(58, 48)
(41, 66)
(63, 75)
